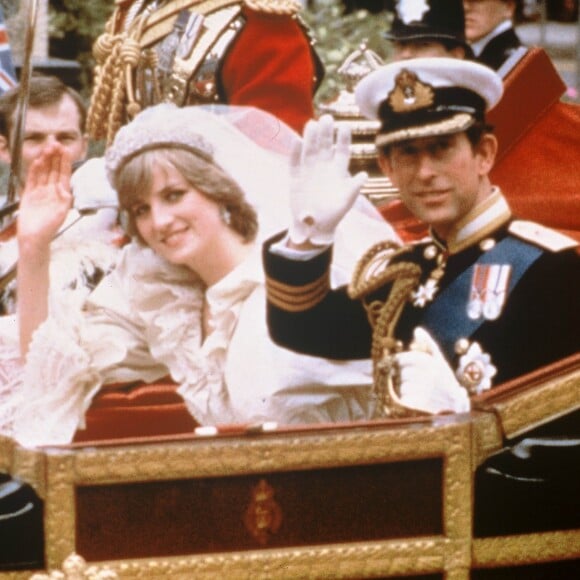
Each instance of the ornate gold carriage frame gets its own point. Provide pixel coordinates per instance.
(379, 499)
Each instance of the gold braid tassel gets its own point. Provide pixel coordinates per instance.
(405, 277)
(106, 51)
(114, 99)
(373, 271)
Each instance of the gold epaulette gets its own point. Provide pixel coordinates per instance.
(542, 236)
(160, 23)
(274, 6)
(370, 271)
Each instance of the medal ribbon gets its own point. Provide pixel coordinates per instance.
(446, 317)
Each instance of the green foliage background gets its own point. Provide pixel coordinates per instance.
(73, 27)
(338, 35)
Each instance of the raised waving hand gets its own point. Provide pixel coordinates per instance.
(322, 189)
(44, 204)
(46, 198)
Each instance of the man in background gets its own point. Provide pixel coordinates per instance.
(55, 113)
(428, 28)
(489, 28)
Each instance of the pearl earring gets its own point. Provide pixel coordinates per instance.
(226, 215)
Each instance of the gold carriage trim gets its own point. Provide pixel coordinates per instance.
(455, 124)
(297, 298)
(274, 6)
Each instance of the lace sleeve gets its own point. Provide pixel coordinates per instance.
(72, 355)
(56, 386)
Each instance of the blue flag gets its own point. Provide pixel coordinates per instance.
(7, 71)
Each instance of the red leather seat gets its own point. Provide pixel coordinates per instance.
(142, 410)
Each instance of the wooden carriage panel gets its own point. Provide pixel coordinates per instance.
(298, 508)
(378, 500)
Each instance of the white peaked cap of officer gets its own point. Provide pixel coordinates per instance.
(424, 97)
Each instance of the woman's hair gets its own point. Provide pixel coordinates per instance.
(134, 178)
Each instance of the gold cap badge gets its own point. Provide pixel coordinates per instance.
(410, 93)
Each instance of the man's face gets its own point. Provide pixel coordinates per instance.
(482, 16)
(404, 50)
(440, 178)
(59, 123)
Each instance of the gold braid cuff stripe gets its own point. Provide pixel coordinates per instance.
(297, 298)
(455, 124)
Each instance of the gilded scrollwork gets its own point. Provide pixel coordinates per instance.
(75, 568)
(6, 452)
(59, 509)
(28, 465)
(487, 436)
(224, 456)
(393, 558)
(384, 442)
(457, 485)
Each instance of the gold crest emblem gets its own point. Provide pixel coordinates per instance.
(410, 93)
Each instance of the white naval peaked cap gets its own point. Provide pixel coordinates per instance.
(424, 97)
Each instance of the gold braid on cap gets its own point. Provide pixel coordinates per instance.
(372, 272)
(274, 6)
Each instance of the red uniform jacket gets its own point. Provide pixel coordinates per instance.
(271, 65)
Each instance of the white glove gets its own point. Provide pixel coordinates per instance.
(321, 190)
(427, 381)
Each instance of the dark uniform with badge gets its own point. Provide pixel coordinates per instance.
(511, 287)
(506, 285)
(499, 49)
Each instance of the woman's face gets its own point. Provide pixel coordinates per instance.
(177, 221)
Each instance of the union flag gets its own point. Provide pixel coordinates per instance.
(7, 71)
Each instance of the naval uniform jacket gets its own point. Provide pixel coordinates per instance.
(499, 49)
(539, 318)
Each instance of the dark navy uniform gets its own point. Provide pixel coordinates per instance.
(502, 285)
(537, 324)
(499, 49)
